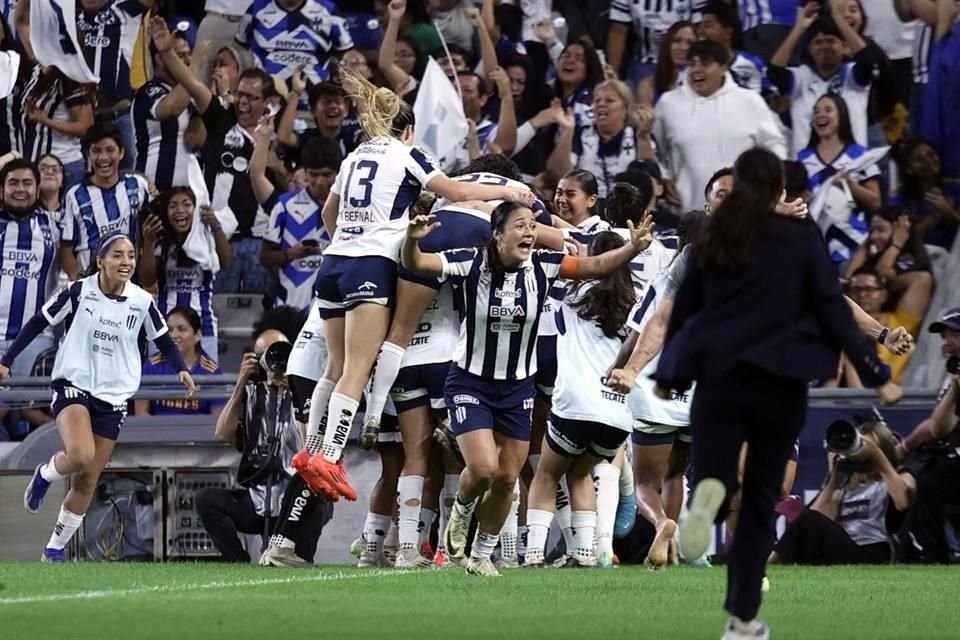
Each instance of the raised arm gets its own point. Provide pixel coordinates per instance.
(181, 73)
(285, 133)
(805, 17)
(855, 42)
(488, 52)
(262, 187)
(507, 123)
(559, 161)
(457, 191)
(428, 264)
(396, 76)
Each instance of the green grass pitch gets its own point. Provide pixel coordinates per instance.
(213, 601)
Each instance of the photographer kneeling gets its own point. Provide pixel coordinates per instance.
(258, 419)
(850, 520)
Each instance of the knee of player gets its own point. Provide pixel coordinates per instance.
(504, 481)
(83, 458)
(484, 470)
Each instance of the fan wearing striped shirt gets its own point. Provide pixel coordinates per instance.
(490, 389)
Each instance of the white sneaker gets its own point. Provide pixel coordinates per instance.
(697, 529)
(508, 563)
(481, 568)
(412, 559)
(740, 630)
(283, 557)
(455, 537)
(369, 559)
(765, 584)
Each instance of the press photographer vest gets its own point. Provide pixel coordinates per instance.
(268, 439)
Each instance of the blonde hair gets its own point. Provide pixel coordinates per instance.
(378, 106)
(623, 90)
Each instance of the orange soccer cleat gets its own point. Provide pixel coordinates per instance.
(333, 475)
(301, 462)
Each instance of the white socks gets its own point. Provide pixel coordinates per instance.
(409, 493)
(508, 533)
(67, 524)
(483, 545)
(374, 531)
(538, 528)
(49, 471)
(608, 496)
(563, 513)
(626, 478)
(341, 411)
(384, 374)
(317, 416)
(584, 525)
(427, 516)
(451, 482)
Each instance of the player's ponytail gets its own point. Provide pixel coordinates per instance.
(383, 113)
(609, 300)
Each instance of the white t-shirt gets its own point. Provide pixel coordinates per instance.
(100, 353)
(437, 333)
(378, 183)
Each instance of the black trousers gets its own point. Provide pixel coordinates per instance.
(225, 513)
(767, 412)
(938, 489)
(815, 539)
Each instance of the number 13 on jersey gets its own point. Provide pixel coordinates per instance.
(359, 191)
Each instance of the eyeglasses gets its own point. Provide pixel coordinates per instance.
(50, 168)
(354, 63)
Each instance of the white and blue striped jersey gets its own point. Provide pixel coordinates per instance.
(28, 268)
(437, 332)
(843, 236)
(160, 152)
(584, 354)
(181, 282)
(282, 40)
(754, 13)
(650, 19)
(377, 185)
(11, 120)
(294, 218)
(644, 403)
(105, 329)
(108, 37)
(499, 311)
(460, 156)
(922, 46)
(39, 139)
(89, 213)
(603, 158)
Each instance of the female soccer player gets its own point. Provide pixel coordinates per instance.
(96, 371)
(366, 215)
(589, 422)
(490, 389)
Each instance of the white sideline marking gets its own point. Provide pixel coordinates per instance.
(201, 586)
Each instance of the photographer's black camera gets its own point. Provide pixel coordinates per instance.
(953, 365)
(273, 360)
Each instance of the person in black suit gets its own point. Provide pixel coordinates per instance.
(759, 315)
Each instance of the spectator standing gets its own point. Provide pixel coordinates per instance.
(671, 62)
(105, 202)
(11, 117)
(650, 23)
(832, 150)
(330, 108)
(184, 326)
(57, 114)
(578, 71)
(295, 237)
(765, 24)
(869, 290)
(830, 39)
(286, 34)
(108, 30)
(220, 26)
(51, 186)
(226, 157)
(161, 117)
(484, 134)
(931, 200)
(708, 122)
(177, 279)
(721, 24)
(452, 19)
(925, 14)
(28, 261)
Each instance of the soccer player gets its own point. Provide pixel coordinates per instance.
(589, 422)
(96, 372)
(106, 201)
(366, 216)
(489, 392)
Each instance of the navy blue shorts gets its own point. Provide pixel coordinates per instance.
(420, 385)
(105, 418)
(546, 365)
(427, 281)
(474, 403)
(389, 431)
(343, 282)
(647, 434)
(572, 438)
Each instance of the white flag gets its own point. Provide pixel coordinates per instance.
(441, 125)
(9, 70)
(53, 34)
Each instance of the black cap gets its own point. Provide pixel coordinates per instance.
(949, 320)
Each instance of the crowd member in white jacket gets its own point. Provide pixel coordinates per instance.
(708, 122)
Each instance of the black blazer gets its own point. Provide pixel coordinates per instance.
(784, 312)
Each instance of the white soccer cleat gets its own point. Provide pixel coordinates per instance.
(483, 567)
(370, 560)
(697, 529)
(283, 557)
(455, 537)
(508, 563)
(740, 630)
(412, 559)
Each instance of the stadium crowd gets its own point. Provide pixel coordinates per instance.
(231, 143)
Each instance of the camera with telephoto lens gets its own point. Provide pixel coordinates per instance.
(953, 365)
(273, 360)
(843, 438)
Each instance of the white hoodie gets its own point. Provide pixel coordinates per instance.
(696, 136)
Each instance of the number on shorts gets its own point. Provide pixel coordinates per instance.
(364, 182)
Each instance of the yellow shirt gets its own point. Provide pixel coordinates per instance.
(899, 318)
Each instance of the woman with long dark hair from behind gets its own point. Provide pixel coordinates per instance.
(490, 389)
(589, 421)
(759, 315)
